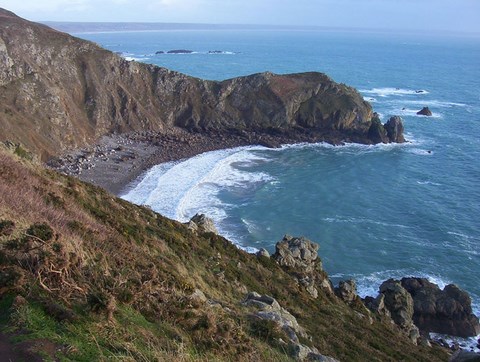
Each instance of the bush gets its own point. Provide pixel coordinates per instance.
(6, 227)
(41, 230)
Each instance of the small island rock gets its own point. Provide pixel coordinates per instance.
(425, 111)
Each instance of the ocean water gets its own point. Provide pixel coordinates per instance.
(377, 211)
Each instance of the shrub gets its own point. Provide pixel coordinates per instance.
(41, 230)
(6, 227)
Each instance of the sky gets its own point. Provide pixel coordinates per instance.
(421, 15)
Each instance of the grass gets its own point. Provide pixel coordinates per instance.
(104, 279)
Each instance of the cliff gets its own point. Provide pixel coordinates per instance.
(59, 92)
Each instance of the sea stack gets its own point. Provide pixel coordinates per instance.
(425, 111)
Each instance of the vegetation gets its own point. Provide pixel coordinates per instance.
(99, 278)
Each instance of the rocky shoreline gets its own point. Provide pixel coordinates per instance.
(116, 161)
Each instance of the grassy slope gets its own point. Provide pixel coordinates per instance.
(102, 278)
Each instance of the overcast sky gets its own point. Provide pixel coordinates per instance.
(425, 15)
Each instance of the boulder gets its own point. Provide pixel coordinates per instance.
(202, 223)
(394, 128)
(299, 257)
(425, 111)
(160, 52)
(446, 311)
(263, 252)
(269, 309)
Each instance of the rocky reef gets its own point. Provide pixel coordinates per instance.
(60, 92)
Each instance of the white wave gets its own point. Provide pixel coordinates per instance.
(436, 103)
(368, 285)
(428, 183)
(355, 220)
(467, 344)
(223, 175)
(420, 152)
(180, 190)
(140, 191)
(385, 92)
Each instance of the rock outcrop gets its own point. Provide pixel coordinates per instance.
(203, 224)
(446, 311)
(400, 305)
(392, 131)
(394, 128)
(299, 257)
(61, 92)
(347, 291)
(269, 309)
(425, 111)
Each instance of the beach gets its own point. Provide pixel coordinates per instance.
(117, 161)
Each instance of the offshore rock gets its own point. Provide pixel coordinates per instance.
(60, 92)
(394, 128)
(425, 111)
(446, 311)
(299, 257)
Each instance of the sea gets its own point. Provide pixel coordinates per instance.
(378, 212)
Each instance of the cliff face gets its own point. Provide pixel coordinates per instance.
(59, 92)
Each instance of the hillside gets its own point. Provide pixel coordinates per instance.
(97, 278)
(60, 92)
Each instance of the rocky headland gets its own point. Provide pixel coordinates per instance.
(61, 93)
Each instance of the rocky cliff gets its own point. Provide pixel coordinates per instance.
(60, 92)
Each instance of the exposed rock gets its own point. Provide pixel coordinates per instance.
(180, 51)
(299, 257)
(269, 309)
(347, 291)
(160, 52)
(377, 305)
(400, 305)
(202, 223)
(447, 312)
(425, 111)
(465, 356)
(398, 301)
(198, 297)
(377, 132)
(395, 129)
(263, 252)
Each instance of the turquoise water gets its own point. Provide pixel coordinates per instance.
(376, 211)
